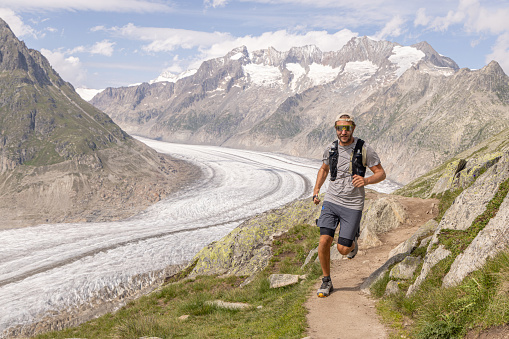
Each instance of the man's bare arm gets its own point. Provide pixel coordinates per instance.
(320, 179)
(378, 175)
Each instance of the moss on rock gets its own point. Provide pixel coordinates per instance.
(247, 249)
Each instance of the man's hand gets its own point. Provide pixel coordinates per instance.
(359, 181)
(316, 200)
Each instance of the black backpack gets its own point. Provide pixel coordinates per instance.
(357, 165)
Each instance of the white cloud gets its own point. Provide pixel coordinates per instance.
(421, 19)
(104, 47)
(215, 3)
(123, 6)
(16, 24)
(472, 15)
(392, 29)
(166, 39)
(218, 44)
(500, 52)
(69, 67)
(282, 41)
(484, 18)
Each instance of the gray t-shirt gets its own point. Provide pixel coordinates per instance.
(341, 191)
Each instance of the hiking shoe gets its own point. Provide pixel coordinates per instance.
(325, 289)
(352, 254)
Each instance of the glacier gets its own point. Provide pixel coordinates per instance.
(56, 267)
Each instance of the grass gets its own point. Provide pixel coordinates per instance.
(275, 313)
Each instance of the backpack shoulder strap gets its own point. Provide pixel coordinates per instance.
(358, 149)
(360, 145)
(333, 160)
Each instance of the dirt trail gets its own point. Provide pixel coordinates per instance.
(348, 313)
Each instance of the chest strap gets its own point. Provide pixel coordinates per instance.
(357, 164)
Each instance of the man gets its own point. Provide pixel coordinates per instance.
(344, 200)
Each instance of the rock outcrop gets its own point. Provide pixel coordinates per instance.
(247, 249)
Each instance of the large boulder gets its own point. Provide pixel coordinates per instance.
(474, 168)
(380, 216)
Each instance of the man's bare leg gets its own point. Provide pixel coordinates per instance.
(324, 253)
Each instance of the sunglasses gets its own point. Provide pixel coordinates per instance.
(347, 128)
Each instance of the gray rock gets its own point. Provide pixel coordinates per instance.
(473, 169)
(473, 200)
(379, 273)
(281, 280)
(411, 243)
(380, 216)
(228, 305)
(310, 256)
(425, 241)
(334, 253)
(446, 180)
(392, 288)
(430, 261)
(490, 241)
(406, 268)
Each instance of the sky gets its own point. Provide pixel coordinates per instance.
(112, 43)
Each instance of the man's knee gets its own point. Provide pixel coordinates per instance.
(344, 250)
(325, 241)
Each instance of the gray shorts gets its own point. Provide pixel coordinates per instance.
(348, 219)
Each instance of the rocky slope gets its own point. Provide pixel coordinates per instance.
(415, 106)
(61, 159)
(474, 227)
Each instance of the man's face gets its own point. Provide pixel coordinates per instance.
(344, 130)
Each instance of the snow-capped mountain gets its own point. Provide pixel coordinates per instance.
(286, 101)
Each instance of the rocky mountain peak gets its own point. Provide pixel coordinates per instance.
(434, 57)
(305, 55)
(365, 48)
(493, 68)
(14, 55)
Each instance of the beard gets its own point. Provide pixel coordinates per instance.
(347, 141)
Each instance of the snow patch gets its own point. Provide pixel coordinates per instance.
(404, 57)
(237, 56)
(263, 75)
(361, 68)
(321, 74)
(298, 72)
(171, 77)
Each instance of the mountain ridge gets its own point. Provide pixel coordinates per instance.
(236, 100)
(62, 159)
